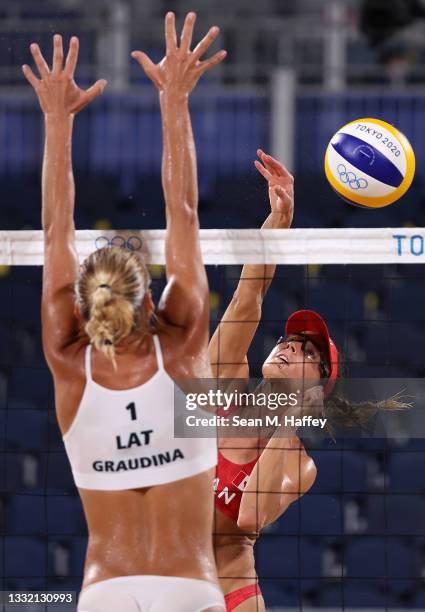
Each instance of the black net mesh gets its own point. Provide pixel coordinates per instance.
(357, 539)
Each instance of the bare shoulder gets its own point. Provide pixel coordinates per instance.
(185, 354)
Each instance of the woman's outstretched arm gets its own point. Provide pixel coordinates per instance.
(185, 301)
(233, 336)
(60, 99)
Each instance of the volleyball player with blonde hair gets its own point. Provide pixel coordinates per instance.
(147, 497)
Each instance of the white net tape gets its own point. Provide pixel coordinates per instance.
(227, 247)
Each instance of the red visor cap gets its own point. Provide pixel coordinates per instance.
(309, 322)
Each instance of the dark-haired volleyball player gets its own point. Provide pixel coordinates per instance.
(147, 496)
(258, 479)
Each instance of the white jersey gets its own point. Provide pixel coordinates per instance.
(124, 439)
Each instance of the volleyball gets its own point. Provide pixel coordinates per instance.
(370, 163)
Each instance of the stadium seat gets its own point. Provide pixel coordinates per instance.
(147, 201)
(374, 557)
(58, 558)
(27, 430)
(3, 419)
(6, 342)
(25, 515)
(17, 194)
(27, 350)
(25, 472)
(66, 555)
(398, 514)
(288, 557)
(288, 523)
(340, 471)
(374, 340)
(25, 556)
(92, 189)
(229, 218)
(278, 593)
(26, 302)
(310, 561)
(355, 472)
(78, 548)
(321, 515)
(348, 595)
(406, 472)
(322, 299)
(271, 563)
(33, 385)
(59, 475)
(403, 337)
(312, 188)
(419, 599)
(329, 470)
(407, 302)
(65, 515)
(244, 196)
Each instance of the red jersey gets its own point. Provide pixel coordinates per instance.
(229, 484)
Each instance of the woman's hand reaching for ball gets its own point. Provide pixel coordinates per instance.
(281, 190)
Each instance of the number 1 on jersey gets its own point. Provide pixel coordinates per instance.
(132, 408)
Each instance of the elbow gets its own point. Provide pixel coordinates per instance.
(189, 212)
(308, 476)
(182, 210)
(56, 228)
(293, 490)
(249, 521)
(47, 231)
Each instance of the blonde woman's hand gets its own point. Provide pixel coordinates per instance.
(56, 90)
(181, 68)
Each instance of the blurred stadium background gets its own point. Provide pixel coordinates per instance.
(296, 71)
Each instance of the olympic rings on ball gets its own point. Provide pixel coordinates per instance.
(369, 163)
(132, 243)
(351, 179)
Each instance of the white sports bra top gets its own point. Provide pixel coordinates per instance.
(124, 439)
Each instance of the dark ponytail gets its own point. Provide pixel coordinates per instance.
(343, 412)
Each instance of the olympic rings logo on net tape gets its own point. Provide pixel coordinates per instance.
(350, 178)
(132, 243)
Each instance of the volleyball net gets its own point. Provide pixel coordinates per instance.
(357, 539)
(230, 247)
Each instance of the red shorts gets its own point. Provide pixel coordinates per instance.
(235, 598)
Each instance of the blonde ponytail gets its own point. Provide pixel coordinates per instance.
(110, 291)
